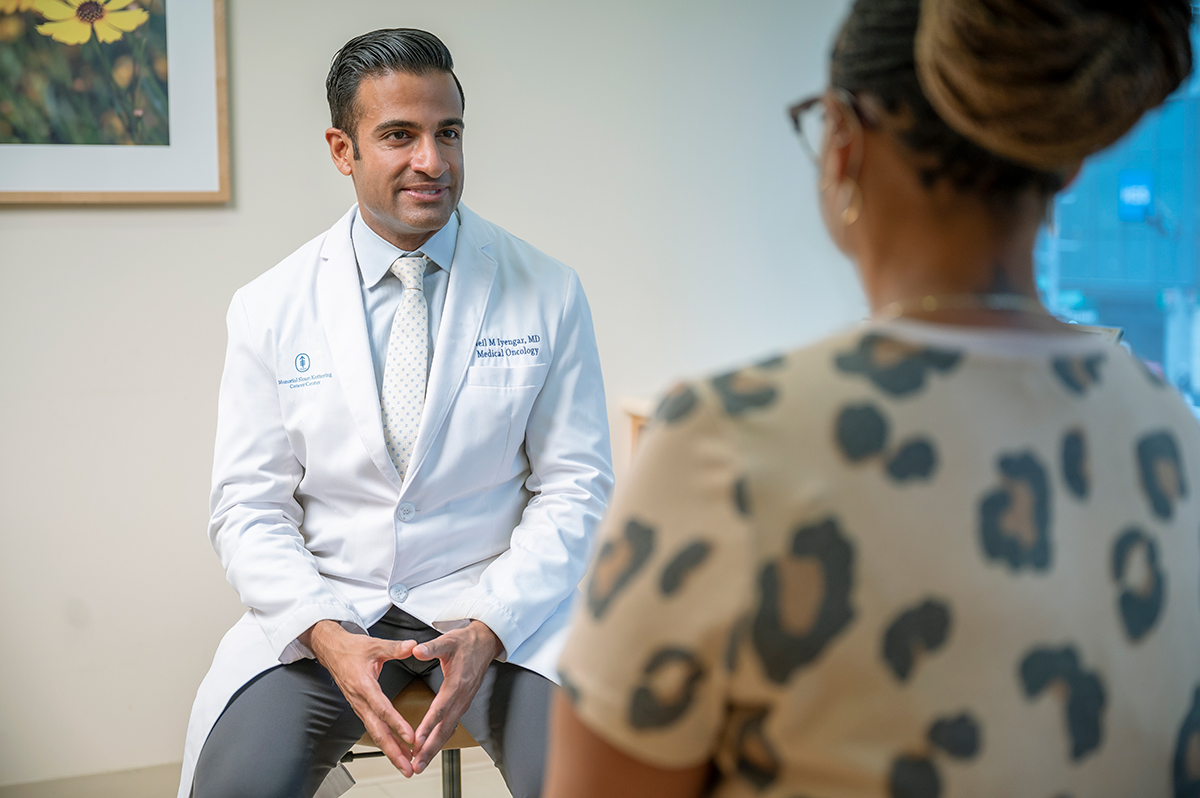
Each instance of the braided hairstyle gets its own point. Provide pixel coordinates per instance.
(1000, 96)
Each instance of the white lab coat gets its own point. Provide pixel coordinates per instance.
(509, 477)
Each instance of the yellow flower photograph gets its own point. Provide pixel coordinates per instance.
(83, 72)
(74, 22)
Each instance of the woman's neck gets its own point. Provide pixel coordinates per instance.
(952, 248)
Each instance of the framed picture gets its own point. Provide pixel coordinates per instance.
(113, 101)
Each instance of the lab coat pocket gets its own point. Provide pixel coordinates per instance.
(508, 376)
(487, 426)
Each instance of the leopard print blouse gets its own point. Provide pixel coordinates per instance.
(909, 560)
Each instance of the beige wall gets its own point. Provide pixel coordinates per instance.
(642, 142)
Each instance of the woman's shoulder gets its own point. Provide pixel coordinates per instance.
(927, 371)
(813, 374)
(756, 385)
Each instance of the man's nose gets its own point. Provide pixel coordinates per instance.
(427, 159)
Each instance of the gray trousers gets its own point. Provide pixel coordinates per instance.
(284, 730)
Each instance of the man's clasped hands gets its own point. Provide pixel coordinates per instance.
(355, 661)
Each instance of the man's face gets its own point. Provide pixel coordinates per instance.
(409, 173)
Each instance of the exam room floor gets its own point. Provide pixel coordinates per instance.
(376, 778)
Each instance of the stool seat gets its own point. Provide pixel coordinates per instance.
(412, 703)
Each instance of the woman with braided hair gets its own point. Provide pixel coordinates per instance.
(952, 551)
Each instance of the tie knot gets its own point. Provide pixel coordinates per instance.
(411, 271)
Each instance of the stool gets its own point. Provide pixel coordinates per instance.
(412, 703)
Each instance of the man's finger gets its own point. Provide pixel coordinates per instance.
(388, 744)
(388, 741)
(432, 718)
(402, 649)
(384, 650)
(377, 703)
(435, 648)
(443, 714)
(438, 736)
(396, 722)
(381, 715)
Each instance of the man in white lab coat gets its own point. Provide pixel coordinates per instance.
(412, 455)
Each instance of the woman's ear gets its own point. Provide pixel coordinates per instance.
(835, 154)
(841, 165)
(843, 144)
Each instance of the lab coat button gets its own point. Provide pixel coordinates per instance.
(398, 592)
(406, 512)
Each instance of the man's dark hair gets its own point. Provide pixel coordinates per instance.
(379, 52)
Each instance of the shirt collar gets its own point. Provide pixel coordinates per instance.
(376, 256)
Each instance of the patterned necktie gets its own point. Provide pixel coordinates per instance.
(407, 364)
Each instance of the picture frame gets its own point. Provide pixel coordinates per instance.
(184, 160)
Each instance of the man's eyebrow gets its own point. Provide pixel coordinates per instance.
(395, 123)
(453, 121)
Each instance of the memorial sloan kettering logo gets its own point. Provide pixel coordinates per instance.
(305, 380)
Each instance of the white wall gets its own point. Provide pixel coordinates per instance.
(643, 143)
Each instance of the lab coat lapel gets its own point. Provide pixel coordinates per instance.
(345, 322)
(471, 276)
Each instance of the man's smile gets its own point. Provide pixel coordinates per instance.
(425, 193)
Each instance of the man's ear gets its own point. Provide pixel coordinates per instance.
(341, 149)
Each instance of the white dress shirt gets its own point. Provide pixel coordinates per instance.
(381, 289)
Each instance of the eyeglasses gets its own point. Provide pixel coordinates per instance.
(808, 118)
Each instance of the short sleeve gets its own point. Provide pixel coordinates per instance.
(645, 662)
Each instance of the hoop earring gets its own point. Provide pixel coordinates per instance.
(851, 204)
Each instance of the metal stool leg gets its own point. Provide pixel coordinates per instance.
(451, 774)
